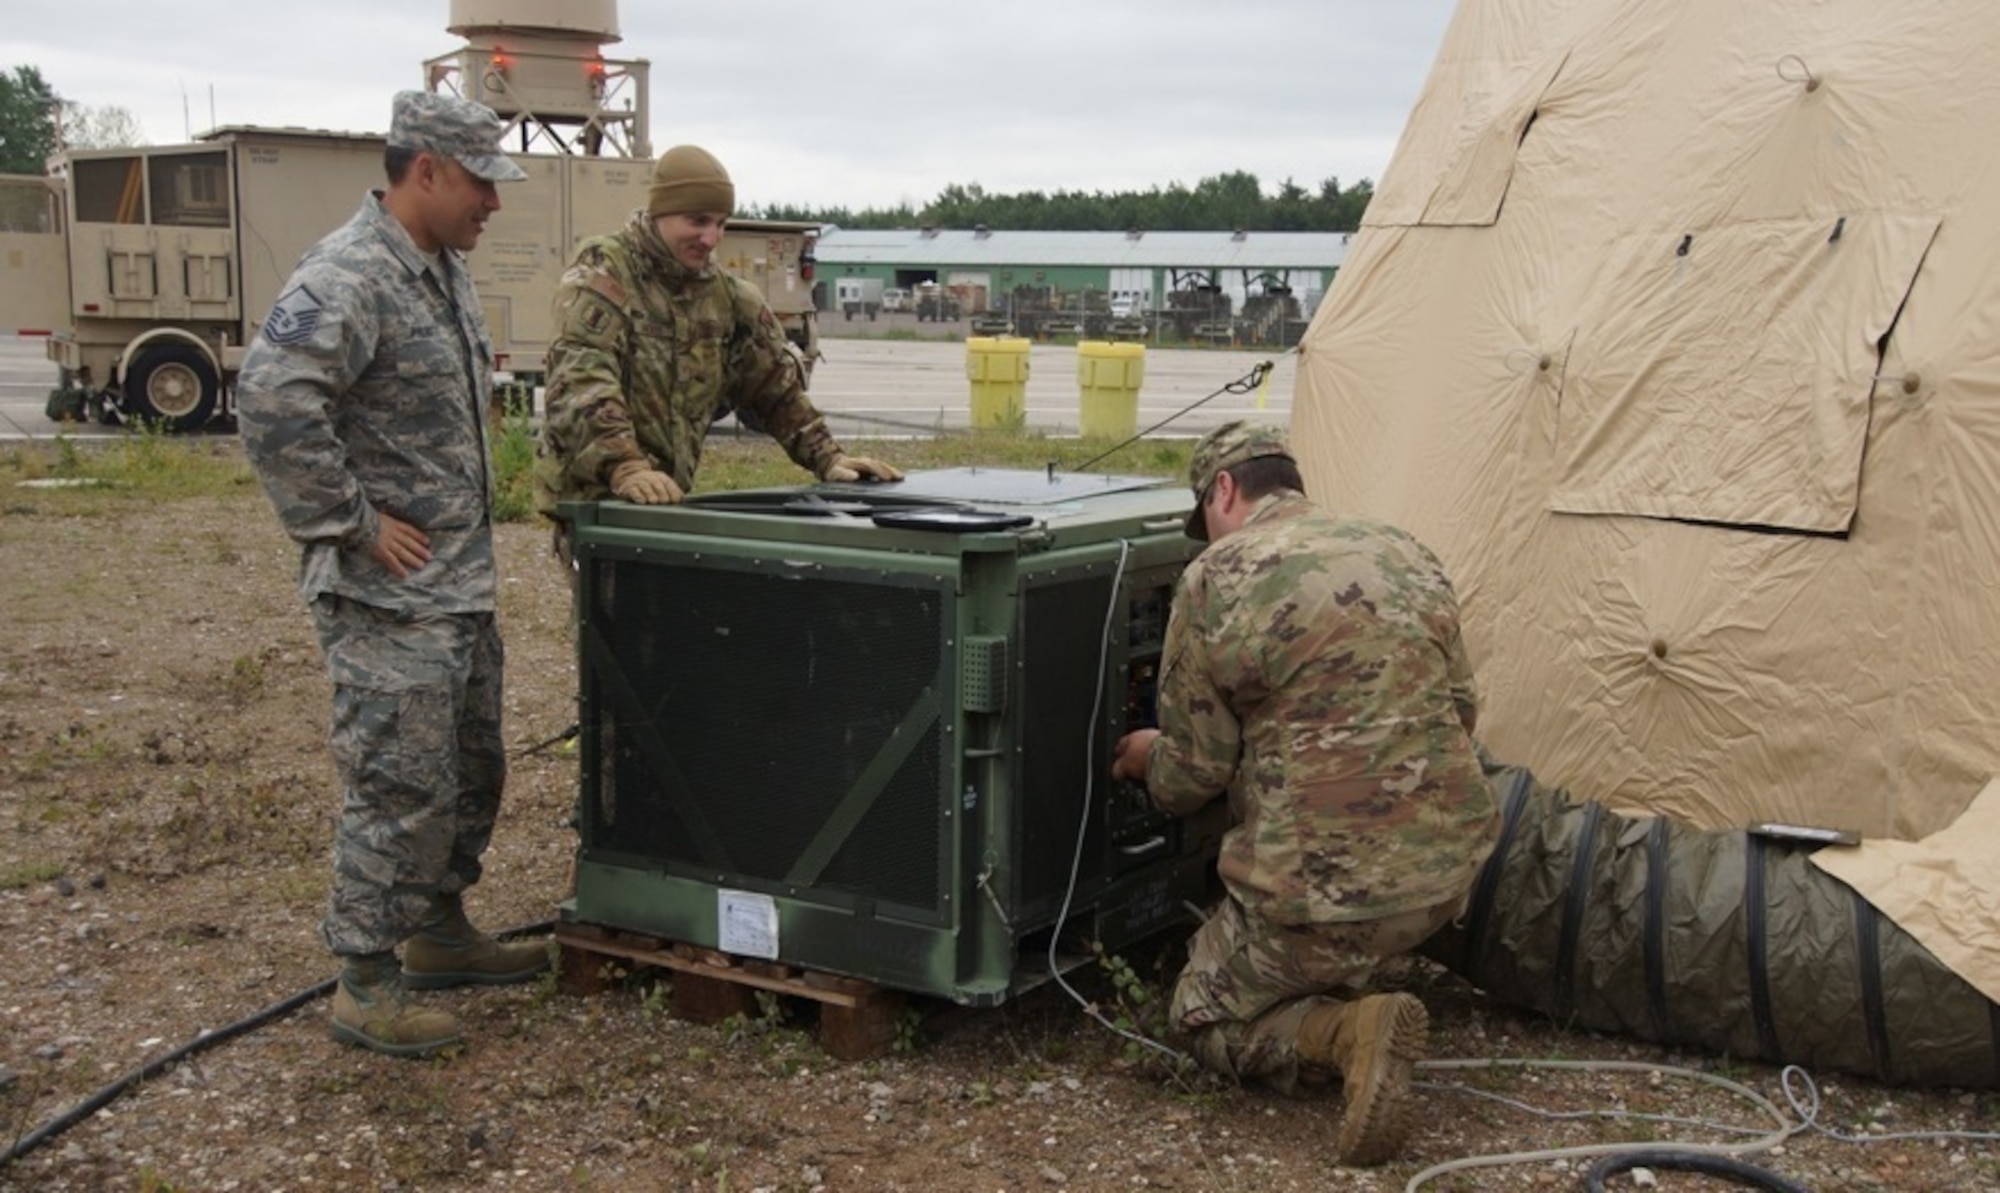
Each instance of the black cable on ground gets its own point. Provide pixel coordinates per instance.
(1736, 1172)
(201, 1043)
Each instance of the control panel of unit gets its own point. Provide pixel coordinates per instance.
(1138, 832)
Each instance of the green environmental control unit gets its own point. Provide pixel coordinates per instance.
(867, 729)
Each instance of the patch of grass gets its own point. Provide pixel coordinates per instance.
(754, 462)
(935, 333)
(149, 466)
(909, 1031)
(218, 815)
(246, 679)
(143, 465)
(1139, 1006)
(655, 1003)
(514, 469)
(27, 874)
(152, 1181)
(301, 884)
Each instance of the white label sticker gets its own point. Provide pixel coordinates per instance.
(747, 924)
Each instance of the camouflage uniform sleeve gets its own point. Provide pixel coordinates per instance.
(286, 397)
(1194, 759)
(768, 383)
(1459, 680)
(587, 429)
(1458, 673)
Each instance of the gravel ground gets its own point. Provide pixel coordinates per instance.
(165, 808)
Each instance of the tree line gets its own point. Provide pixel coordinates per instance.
(34, 121)
(1222, 203)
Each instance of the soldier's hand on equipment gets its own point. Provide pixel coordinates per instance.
(637, 483)
(1129, 757)
(855, 468)
(399, 546)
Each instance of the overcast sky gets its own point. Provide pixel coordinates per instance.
(866, 103)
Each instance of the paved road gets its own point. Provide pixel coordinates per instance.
(905, 387)
(869, 387)
(26, 376)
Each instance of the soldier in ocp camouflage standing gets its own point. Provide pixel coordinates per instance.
(1314, 674)
(654, 343)
(363, 409)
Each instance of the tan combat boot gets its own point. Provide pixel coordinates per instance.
(451, 952)
(372, 1010)
(1375, 1044)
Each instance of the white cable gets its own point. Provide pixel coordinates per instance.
(1783, 1128)
(1091, 764)
(1805, 1103)
(1809, 1117)
(1567, 1116)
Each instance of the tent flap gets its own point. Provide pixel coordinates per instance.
(1473, 189)
(1726, 372)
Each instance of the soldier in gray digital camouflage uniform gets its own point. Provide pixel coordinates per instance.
(362, 405)
(654, 343)
(1314, 675)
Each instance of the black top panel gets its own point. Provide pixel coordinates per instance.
(1003, 486)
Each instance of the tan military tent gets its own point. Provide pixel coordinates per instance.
(1674, 327)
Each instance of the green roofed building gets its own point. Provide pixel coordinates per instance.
(1248, 286)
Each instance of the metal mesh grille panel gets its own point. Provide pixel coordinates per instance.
(982, 678)
(1061, 641)
(825, 677)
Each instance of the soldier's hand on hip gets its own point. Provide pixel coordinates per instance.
(400, 546)
(853, 468)
(637, 483)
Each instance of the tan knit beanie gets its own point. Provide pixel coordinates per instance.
(687, 179)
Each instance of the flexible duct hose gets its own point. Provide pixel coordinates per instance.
(1721, 940)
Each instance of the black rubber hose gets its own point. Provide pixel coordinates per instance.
(1736, 1172)
(201, 1043)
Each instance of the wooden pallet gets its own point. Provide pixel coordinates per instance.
(857, 1021)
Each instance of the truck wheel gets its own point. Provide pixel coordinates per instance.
(173, 387)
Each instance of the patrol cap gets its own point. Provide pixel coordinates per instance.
(456, 128)
(1225, 447)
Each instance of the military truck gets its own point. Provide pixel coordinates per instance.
(858, 296)
(937, 304)
(158, 264)
(34, 282)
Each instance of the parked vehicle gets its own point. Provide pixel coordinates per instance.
(858, 296)
(151, 269)
(937, 304)
(897, 299)
(991, 323)
(1129, 304)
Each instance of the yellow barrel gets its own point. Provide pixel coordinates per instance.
(997, 366)
(1108, 377)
